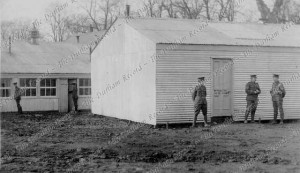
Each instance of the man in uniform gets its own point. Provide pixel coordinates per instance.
(75, 95)
(278, 93)
(252, 89)
(17, 97)
(200, 103)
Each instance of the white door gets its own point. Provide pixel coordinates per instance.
(222, 87)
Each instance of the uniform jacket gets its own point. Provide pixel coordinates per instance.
(199, 95)
(250, 88)
(74, 93)
(17, 95)
(277, 91)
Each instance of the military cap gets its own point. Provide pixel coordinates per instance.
(276, 75)
(201, 78)
(15, 82)
(253, 76)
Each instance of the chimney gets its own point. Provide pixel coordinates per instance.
(77, 38)
(34, 35)
(9, 44)
(91, 28)
(127, 10)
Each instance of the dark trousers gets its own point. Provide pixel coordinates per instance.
(278, 105)
(75, 101)
(251, 108)
(19, 106)
(198, 108)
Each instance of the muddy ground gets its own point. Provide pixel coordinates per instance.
(94, 143)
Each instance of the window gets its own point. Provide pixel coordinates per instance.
(84, 86)
(48, 87)
(28, 86)
(5, 87)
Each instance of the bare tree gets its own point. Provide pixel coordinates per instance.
(207, 8)
(283, 11)
(102, 13)
(169, 7)
(17, 29)
(153, 8)
(190, 9)
(58, 23)
(226, 10)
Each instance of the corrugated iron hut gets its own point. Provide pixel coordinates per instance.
(145, 69)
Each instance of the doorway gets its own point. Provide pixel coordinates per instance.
(70, 89)
(222, 87)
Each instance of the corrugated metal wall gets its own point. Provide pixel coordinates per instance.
(265, 64)
(177, 72)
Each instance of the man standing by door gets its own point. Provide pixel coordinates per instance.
(200, 103)
(17, 97)
(74, 95)
(252, 89)
(278, 93)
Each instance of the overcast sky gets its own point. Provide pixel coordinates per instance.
(32, 9)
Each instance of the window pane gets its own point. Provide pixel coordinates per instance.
(27, 92)
(89, 89)
(27, 83)
(86, 82)
(89, 84)
(53, 92)
(53, 82)
(43, 82)
(5, 82)
(2, 93)
(22, 82)
(43, 92)
(80, 82)
(33, 82)
(48, 82)
(33, 92)
(48, 91)
(80, 91)
(86, 91)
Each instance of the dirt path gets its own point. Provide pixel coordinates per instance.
(79, 144)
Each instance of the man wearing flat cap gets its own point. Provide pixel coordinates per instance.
(278, 93)
(17, 97)
(74, 95)
(200, 103)
(252, 89)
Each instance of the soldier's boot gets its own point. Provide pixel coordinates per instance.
(21, 110)
(281, 118)
(252, 118)
(246, 116)
(274, 121)
(194, 121)
(205, 121)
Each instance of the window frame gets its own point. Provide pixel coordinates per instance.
(84, 87)
(6, 87)
(30, 87)
(47, 87)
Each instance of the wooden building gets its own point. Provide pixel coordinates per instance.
(145, 70)
(44, 71)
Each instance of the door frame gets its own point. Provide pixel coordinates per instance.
(212, 84)
(70, 99)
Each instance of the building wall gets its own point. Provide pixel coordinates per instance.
(177, 72)
(123, 76)
(38, 102)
